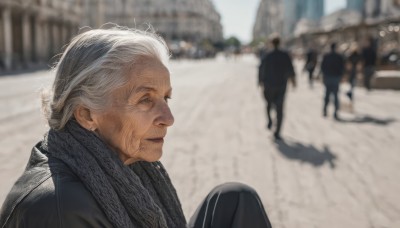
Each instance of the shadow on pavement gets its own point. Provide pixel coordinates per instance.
(306, 153)
(368, 119)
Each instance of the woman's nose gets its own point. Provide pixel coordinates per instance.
(165, 117)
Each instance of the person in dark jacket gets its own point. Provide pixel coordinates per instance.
(274, 71)
(98, 164)
(354, 60)
(311, 62)
(332, 67)
(369, 57)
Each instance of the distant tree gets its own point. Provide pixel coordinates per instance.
(232, 41)
(257, 42)
(219, 45)
(206, 44)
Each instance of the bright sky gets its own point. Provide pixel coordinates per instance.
(238, 16)
(333, 5)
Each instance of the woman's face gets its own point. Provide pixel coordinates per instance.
(137, 122)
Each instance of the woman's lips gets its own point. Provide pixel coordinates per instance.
(156, 140)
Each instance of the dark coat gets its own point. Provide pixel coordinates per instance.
(369, 57)
(311, 60)
(48, 194)
(333, 65)
(275, 69)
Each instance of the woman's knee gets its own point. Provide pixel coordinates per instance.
(234, 188)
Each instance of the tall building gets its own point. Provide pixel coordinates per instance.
(277, 16)
(313, 10)
(269, 19)
(292, 11)
(301, 15)
(356, 5)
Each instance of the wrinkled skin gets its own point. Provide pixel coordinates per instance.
(136, 123)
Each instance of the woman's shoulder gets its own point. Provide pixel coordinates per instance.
(48, 194)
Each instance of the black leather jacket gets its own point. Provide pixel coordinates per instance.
(48, 194)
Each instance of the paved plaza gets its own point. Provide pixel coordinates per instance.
(325, 173)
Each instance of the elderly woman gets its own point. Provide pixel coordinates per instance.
(98, 164)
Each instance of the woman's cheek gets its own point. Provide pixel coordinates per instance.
(131, 140)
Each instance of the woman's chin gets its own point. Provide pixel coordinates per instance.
(148, 156)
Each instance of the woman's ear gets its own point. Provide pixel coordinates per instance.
(84, 117)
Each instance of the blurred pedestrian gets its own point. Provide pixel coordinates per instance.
(98, 164)
(332, 67)
(354, 60)
(274, 71)
(369, 57)
(311, 62)
(261, 51)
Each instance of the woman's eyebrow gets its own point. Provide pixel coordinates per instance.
(144, 89)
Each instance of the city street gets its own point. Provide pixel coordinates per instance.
(325, 173)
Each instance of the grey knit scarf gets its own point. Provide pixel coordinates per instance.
(139, 195)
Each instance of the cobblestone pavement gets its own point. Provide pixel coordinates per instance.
(324, 174)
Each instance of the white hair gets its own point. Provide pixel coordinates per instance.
(93, 65)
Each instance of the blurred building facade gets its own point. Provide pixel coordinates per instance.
(351, 26)
(191, 28)
(190, 20)
(362, 18)
(33, 31)
(174, 19)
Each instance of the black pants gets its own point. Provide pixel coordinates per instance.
(310, 76)
(331, 88)
(231, 205)
(275, 96)
(369, 72)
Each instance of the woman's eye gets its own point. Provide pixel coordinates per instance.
(145, 100)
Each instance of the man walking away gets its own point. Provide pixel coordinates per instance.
(332, 68)
(275, 70)
(369, 61)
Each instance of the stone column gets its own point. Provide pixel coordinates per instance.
(45, 41)
(64, 35)
(38, 39)
(100, 14)
(8, 44)
(73, 30)
(56, 39)
(26, 39)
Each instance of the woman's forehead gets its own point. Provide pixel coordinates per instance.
(149, 74)
(146, 62)
(153, 78)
